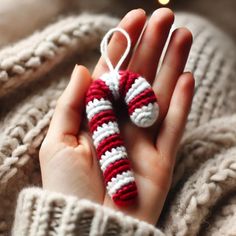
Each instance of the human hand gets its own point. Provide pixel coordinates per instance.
(67, 157)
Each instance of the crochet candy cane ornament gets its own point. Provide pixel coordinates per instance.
(143, 111)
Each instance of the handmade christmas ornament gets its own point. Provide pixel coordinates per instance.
(143, 111)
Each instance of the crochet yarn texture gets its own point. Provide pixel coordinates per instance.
(143, 111)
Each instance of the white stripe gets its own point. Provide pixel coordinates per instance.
(104, 131)
(112, 82)
(96, 106)
(145, 116)
(119, 181)
(112, 156)
(139, 85)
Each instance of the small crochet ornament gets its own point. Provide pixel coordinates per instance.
(143, 111)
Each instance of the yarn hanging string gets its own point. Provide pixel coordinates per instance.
(103, 124)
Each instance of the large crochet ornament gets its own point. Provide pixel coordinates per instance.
(143, 111)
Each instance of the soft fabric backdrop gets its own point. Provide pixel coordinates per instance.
(35, 71)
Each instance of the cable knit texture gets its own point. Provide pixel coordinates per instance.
(59, 215)
(202, 197)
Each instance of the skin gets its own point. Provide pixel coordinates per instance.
(67, 157)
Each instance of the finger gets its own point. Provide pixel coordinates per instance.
(133, 24)
(172, 67)
(146, 57)
(67, 116)
(173, 126)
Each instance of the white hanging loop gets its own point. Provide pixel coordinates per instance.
(104, 50)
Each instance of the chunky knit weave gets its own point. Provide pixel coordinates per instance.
(65, 215)
(202, 198)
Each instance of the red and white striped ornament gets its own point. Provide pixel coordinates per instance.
(143, 111)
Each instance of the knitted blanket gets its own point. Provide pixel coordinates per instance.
(35, 71)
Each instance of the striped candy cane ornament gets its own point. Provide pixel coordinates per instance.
(143, 111)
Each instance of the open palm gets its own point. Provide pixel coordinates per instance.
(67, 157)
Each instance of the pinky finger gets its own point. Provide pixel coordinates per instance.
(174, 123)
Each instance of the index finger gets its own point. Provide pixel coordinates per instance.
(133, 24)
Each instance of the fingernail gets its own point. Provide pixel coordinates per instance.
(156, 12)
(163, 11)
(129, 14)
(75, 71)
(141, 10)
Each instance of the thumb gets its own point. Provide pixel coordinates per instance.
(67, 115)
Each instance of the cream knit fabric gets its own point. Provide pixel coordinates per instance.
(203, 197)
(16, 19)
(46, 213)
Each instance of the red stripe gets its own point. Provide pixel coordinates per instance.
(142, 103)
(126, 80)
(143, 99)
(130, 82)
(142, 95)
(98, 89)
(115, 168)
(108, 143)
(130, 187)
(101, 118)
(127, 195)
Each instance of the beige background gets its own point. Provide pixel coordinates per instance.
(35, 14)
